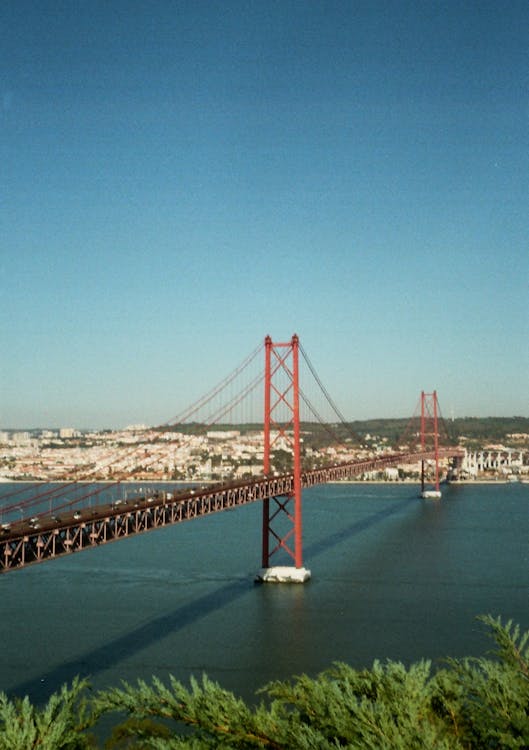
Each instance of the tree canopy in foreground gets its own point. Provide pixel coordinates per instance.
(469, 703)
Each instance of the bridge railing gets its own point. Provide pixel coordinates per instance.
(26, 544)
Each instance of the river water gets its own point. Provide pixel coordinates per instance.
(393, 577)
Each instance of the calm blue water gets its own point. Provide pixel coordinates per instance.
(393, 577)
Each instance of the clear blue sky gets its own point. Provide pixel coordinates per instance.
(179, 179)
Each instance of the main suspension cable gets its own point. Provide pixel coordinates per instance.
(330, 401)
(115, 456)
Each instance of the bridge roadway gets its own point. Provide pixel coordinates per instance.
(45, 537)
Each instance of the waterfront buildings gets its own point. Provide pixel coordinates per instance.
(146, 454)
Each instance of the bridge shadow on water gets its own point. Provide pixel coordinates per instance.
(323, 545)
(118, 649)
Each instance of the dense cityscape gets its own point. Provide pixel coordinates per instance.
(141, 453)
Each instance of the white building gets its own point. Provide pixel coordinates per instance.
(498, 459)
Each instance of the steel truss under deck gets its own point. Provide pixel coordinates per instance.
(104, 524)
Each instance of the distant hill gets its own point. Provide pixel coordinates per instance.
(476, 429)
(480, 429)
(492, 428)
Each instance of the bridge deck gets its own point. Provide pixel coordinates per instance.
(46, 537)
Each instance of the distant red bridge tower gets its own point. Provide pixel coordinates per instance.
(430, 429)
(282, 516)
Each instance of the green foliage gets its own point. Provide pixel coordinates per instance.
(477, 429)
(129, 734)
(385, 707)
(60, 725)
(217, 716)
(488, 699)
(472, 703)
(490, 428)
(469, 704)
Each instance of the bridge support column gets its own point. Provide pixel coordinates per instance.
(430, 428)
(282, 518)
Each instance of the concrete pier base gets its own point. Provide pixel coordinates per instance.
(283, 574)
(431, 494)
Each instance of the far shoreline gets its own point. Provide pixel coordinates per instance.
(193, 482)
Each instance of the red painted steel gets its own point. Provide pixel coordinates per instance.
(430, 428)
(282, 393)
(423, 438)
(28, 542)
(436, 440)
(265, 554)
(24, 545)
(298, 544)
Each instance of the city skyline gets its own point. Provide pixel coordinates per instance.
(181, 179)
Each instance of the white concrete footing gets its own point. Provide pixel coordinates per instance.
(283, 574)
(431, 494)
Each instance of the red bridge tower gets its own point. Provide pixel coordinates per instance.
(282, 524)
(430, 429)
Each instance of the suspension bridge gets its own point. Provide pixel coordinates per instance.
(42, 522)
